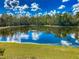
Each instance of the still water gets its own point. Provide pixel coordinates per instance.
(65, 36)
(41, 37)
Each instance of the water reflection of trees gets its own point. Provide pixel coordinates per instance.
(59, 31)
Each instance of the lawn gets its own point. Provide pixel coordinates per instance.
(33, 51)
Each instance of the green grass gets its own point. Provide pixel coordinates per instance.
(32, 51)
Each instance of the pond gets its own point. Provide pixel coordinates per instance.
(66, 36)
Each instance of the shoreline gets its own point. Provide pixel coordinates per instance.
(36, 25)
(48, 44)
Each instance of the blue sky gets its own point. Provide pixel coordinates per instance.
(27, 7)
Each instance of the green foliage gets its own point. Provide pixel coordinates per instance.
(65, 19)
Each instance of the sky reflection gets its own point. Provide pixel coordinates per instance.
(41, 38)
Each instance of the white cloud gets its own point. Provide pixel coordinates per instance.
(23, 35)
(9, 13)
(35, 35)
(28, 14)
(38, 14)
(21, 9)
(65, 43)
(10, 4)
(65, 0)
(8, 38)
(77, 41)
(34, 7)
(61, 7)
(53, 12)
(25, 7)
(75, 8)
(78, 0)
(72, 35)
(17, 37)
(14, 5)
(14, 38)
(63, 12)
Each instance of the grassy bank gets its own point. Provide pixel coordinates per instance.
(32, 51)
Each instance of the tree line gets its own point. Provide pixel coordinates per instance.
(65, 19)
